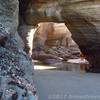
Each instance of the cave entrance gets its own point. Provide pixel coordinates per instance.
(52, 44)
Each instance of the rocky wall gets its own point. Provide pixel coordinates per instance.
(16, 67)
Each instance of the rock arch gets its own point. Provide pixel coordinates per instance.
(81, 17)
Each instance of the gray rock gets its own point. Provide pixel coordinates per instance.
(16, 67)
(16, 74)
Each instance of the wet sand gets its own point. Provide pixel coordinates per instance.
(67, 85)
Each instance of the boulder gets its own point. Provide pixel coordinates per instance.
(60, 33)
(63, 52)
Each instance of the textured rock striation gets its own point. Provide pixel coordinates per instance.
(82, 17)
(16, 68)
(51, 34)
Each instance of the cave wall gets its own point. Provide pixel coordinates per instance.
(16, 67)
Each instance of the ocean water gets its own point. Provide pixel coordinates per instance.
(70, 65)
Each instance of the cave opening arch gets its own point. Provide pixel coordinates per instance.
(85, 32)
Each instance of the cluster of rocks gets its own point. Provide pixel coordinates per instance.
(65, 53)
(51, 55)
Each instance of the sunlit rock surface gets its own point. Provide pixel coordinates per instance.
(52, 34)
(27, 34)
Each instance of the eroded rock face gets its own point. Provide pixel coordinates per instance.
(27, 34)
(16, 68)
(81, 17)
